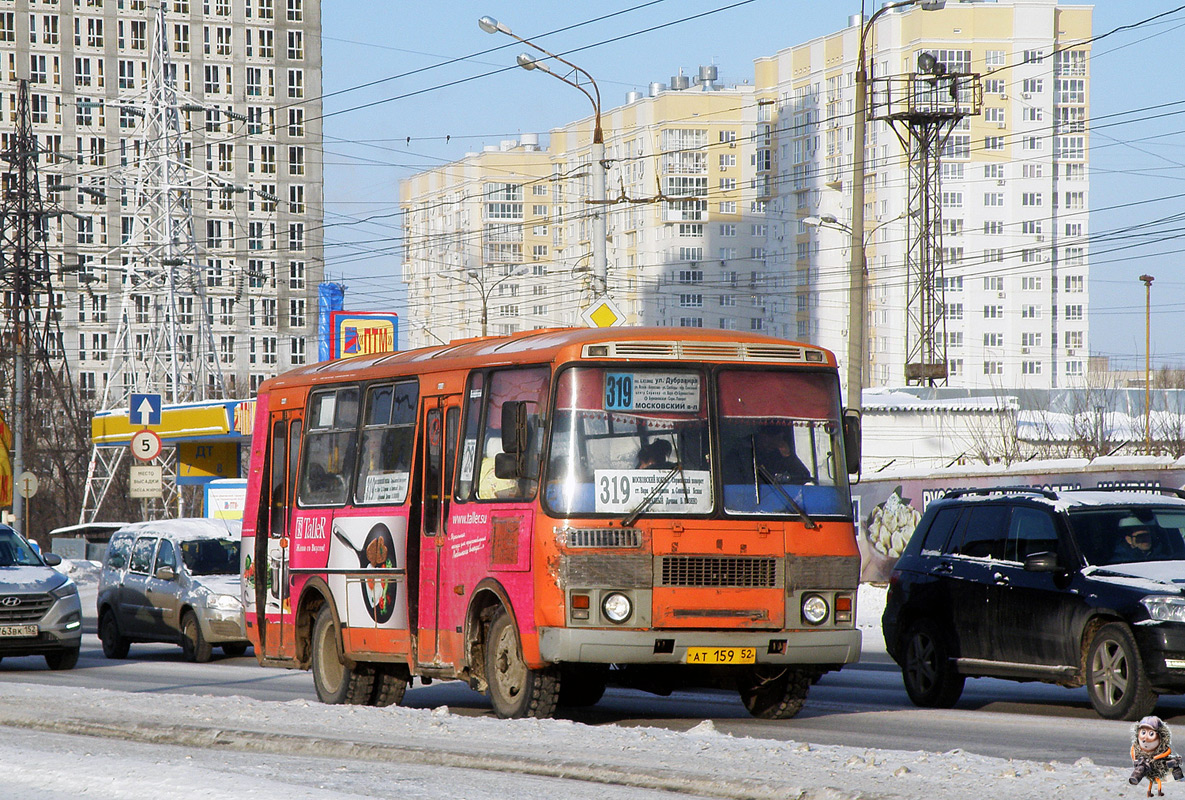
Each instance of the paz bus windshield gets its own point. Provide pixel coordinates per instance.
(629, 440)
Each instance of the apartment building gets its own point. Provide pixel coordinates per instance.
(716, 185)
(505, 233)
(248, 78)
(1014, 191)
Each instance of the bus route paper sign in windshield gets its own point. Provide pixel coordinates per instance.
(652, 391)
(620, 491)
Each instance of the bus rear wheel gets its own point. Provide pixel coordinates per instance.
(335, 682)
(515, 689)
(773, 692)
(390, 682)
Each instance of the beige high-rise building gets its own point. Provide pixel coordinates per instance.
(1014, 190)
(249, 72)
(715, 184)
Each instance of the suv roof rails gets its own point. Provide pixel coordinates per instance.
(1000, 490)
(1169, 490)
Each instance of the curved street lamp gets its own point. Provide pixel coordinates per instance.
(475, 279)
(573, 79)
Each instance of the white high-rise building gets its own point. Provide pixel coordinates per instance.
(1014, 191)
(252, 72)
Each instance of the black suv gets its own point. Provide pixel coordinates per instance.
(1073, 587)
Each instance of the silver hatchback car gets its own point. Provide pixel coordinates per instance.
(173, 580)
(40, 614)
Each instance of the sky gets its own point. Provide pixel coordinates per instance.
(409, 87)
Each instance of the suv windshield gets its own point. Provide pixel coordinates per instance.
(210, 556)
(15, 551)
(1129, 535)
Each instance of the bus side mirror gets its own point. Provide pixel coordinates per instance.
(851, 440)
(514, 426)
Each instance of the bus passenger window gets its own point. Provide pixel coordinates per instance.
(525, 385)
(388, 437)
(328, 458)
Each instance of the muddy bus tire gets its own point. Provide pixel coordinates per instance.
(390, 682)
(335, 682)
(515, 689)
(773, 692)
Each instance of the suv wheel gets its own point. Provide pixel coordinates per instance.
(931, 680)
(1115, 677)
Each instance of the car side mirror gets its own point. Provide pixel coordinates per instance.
(51, 559)
(165, 573)
(1042, 562)
(851, 439)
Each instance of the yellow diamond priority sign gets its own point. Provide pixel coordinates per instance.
(603, 313)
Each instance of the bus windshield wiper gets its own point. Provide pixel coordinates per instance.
(649, 499)
(795, 507)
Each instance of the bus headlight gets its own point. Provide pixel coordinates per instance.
(814, 609)
(617, 607)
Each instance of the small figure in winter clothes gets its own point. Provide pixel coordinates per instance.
(1152, 756)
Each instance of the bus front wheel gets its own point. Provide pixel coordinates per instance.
(772, 691)
(335, 682)
(515, 689)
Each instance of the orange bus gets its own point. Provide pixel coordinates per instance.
(547, 513)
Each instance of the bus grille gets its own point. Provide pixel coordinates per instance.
(29, 608)
(822, 572)
(708, 351)
(725, 571)
(603, 537)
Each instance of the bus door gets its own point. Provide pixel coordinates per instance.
(439, 421)
(285, 450)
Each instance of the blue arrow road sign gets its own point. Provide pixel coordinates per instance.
(145, 409)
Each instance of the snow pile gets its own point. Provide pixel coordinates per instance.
(701, 762)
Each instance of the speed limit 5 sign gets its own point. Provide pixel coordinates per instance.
(146, 445)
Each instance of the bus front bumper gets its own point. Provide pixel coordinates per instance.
(830, 647)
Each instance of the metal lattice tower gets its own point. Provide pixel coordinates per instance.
(48, 434)
(164, 344)
(923, 108)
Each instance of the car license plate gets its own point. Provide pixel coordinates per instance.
(18, 630)
(721, 655)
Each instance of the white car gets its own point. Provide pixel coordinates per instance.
(176, 581)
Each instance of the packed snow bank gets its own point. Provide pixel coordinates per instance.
(699, 762)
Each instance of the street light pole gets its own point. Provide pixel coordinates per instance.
(1147, 279)
(475, 278)
(599, 167)
(857, 265)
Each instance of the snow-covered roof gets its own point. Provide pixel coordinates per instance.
(886, 400)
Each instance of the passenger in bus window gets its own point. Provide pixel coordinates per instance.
(655, 455)
(489, 485)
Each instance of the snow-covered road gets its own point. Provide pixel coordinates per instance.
(93, 743)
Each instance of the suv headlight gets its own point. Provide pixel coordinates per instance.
(224, 602)
(67, 589)
(1166, 608)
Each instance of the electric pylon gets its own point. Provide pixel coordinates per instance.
(49, 430)
(923, 108)
(164, 344)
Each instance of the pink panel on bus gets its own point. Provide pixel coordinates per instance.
(488, 540)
